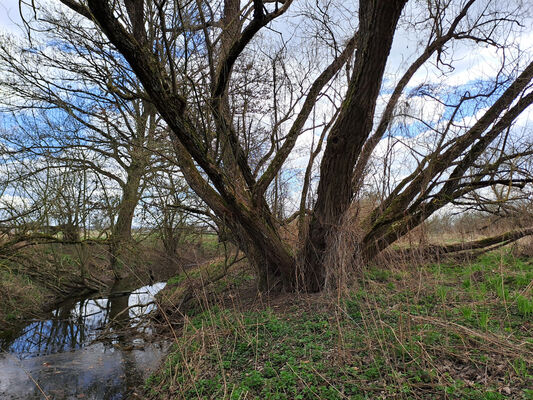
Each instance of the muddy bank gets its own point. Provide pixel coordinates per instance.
(39, 278)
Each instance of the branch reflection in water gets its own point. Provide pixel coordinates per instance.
(59, 355)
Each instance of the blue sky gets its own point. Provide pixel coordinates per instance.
(472, 64)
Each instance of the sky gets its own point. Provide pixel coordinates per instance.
(9, 15)
(472, 62)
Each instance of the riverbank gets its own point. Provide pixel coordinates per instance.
(446, 330)
(440, 331)
(37, 278)
(93, 331)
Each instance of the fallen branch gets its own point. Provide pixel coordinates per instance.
(464, 249)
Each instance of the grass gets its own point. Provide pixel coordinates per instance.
(203, 271)
(20, 294)
(445, 331)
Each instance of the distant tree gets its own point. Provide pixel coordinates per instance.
(173, 212)
(75, 103)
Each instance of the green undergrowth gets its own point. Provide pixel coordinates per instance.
(444, 331)
(205, 271)
(208, 243)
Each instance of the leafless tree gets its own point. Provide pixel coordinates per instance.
(75, 103)
(187, 57)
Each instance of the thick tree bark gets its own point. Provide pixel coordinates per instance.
(378, 21)
(253, 230)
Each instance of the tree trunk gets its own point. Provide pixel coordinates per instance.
(265, 250)
(378, 21)
(253, 228)
(121, 233)
(237, 199)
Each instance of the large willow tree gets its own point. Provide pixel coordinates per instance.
(197, 57)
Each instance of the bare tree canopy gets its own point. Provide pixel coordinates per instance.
(236, 86)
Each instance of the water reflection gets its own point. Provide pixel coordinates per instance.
(95, 372)
(57, 352)
(78, 322)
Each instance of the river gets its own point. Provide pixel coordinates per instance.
(58, 357)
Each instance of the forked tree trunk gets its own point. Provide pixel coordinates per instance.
(237, 200)
(378, 21)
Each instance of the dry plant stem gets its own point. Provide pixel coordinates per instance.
(502, 345)
(303, 381)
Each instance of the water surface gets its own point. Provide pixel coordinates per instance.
(57, 355)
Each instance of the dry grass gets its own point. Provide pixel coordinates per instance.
(442, 331)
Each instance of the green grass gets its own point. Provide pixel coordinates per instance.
(524, 305)
(259, 356)
(446, 331)
(203, 271)
(208, 242)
